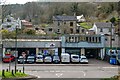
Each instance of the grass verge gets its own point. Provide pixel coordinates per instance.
(9, 75)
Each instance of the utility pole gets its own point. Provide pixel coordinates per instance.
(16, 51)
(111, 37)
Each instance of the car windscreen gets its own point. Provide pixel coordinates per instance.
(84, 58)
(39, 57)
(75, 57)
(31, 57)
(55, 57)
(20, 57)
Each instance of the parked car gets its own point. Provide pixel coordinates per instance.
(31, 59)
(8, 58)
(75, 58)
(65, 58)
(48, 59)
(56, 59)
(39, 59)
(21, 59)
(83, 59)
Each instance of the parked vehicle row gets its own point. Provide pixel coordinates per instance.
(64, 58)
(8, 58)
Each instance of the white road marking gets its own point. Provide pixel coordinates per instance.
(57, 71)
(83, 73)
(52, 71)
(59, 74)
(109, 67)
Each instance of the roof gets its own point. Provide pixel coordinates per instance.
(103, 24)
(64, 18)
(79, 17)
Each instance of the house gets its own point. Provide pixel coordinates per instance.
(103, 28)
(27, 24)
(10, 23)
(81, 18)
(65, 24)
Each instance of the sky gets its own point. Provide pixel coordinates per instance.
(18, 1)
(24, 1)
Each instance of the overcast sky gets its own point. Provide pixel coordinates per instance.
(24, 1)
(18, 1)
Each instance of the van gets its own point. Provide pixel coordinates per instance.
(65, 58)
(74, 58)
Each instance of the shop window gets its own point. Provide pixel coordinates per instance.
(86, 38)
(99, 39)
(93, 39)
(109, 29)
(71, 23)
(113, 39)
(101, 30)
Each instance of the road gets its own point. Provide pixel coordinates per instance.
(95, 69)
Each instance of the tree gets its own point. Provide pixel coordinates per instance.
(112, 20)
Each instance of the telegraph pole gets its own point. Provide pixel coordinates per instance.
(16, 51)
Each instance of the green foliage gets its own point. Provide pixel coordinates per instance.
(112, 20)
(9, 75)
(86, 25)
(8, 34)
(30, 32)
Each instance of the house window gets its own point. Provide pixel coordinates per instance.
(71, 23)
(58, 23)
(77, 31)
(64, 22)
(58, 30)
(83, 30)
(8, 26)
(113, 39)
(71, 30)
(101, 30)
(43, 29)
(8, 20)
(105, 39)
(50, 29)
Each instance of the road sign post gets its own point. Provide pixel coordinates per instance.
(24, 56)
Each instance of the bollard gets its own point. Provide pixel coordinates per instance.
(6, 70)
(20, 71)
(13, 72)
(3, 72)
(17, 70)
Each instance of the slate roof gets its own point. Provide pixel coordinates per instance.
(103, 24)
(64, 18)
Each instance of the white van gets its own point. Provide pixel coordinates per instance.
(65, 58)
(75, 58)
